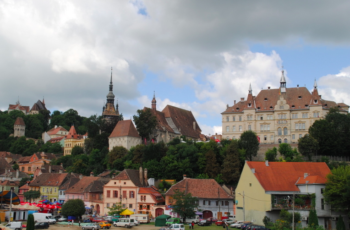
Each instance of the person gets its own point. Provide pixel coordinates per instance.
(192, 225)
(79, 222)
(226, 225)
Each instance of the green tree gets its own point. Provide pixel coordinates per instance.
(23, 181)
(116, 209)
(74, 207)
(340, 225)
(313, 220)
(138, 153)
(24, 147)
(250, 143)
(117, 153)
(308, 146)
(30, 222)
(77, 150)
(212, 167)
(15, 166)
(337, 192)
(145, 123)
(231, 166)
(164, 186)
(31, 195)
(286, 150)
(184, 205)
(271, 154)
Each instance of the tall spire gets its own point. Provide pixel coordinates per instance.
(283, 82)
(250, 89)
(154, 102)
(111, 82)
(315, 84)
(117, 107)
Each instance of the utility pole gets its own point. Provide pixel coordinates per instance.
(293, 211)
(243, 206)
(10, 219)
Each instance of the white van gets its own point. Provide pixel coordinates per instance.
(14, 225)
(196, 220)
(176, 227)
(141, 218)
(44, 217)
(124, 222)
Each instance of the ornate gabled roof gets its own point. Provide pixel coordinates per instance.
(124, 128)
(20, 121)
(133, 175)
(55, 130)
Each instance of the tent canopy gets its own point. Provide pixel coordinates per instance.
(126, 212)
(161, 220)
(5, 197)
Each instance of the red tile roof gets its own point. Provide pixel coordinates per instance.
(19, 107)
(201, 188)
(56, 139)
(81, 185)
(49, 179)
(19, 121)
(154, 193)
(72, 134)
(125, 128)
(56, 130)
(283, 176)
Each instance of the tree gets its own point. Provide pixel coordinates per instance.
(337, 192)
(23, 181)
(30, 222)
(116, 209)
(77, 150)
(313, 220)
(250, 143)
(15, 166)
(286, 150)
(163, 185)
(308, 146)
(145, 123)
(184, 205)
(212, 167)
(340, 225)
(74, 207)
(231, 166)
(31, 195)
(271, 154)
(118, 152)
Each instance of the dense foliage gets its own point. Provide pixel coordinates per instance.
(145, 123)
(184, 204)
(250, 143)
(31, 195)
(30, 222)
(74, 207)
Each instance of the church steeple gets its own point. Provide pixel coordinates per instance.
(154, 102)
(109, 111)
(250, 91)
(117, 108)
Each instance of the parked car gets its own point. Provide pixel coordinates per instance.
(14, 225)
(212, 219)
(258, 227)
(245, 225)
(174, 227)
(104, 225)
(87, 221)
(62, 219)
(96, 219)
(172, 221)
(204, 223)
(237, 224)
(92, 226)
(41, 225)
(124, 222)
(57, 217)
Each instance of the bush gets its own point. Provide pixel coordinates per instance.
(30, 222)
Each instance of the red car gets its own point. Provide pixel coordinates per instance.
(97, 220)
(212, 219)
(219, 223)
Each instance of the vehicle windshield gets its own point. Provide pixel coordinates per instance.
(171, 220)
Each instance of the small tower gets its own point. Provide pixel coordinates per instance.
(283, 83)
(109, 111)
(19, 127)
(154, 102)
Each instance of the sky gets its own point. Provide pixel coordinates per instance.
(199, 55)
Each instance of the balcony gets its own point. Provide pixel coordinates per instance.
(301, 202)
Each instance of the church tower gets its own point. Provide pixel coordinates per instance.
(19, 127)
(109, 111)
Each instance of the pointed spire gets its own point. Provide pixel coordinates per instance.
(250, 89)
(283, 79)
(43, 100)
(315, 84)
(154, 102)
(111, 82)
(283, 83)
(117, 107)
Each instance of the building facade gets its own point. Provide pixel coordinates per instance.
(280, 115)
(19, 128)
(73, 139)
(124, 134)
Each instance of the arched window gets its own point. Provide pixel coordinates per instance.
(285, 140)
(279, 130)
(279, 141)
(285, 131)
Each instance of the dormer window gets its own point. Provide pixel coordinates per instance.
(271, 107)
(315, 101)
(299, 97)
(249, 105)
(325, 104)
(237, 108)
(293, 106)
(306, 105)
(258, 107)
(265, 98)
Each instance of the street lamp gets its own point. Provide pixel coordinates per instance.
(243, 206)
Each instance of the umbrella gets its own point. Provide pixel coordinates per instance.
(6, 197)
(127, 212)
(87, 207)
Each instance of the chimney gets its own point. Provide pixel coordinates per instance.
(17, 173)
(194, 125)
(81, 176)
(242, 98)
(55, 126)
(298, 86)
(145, 176)
(62, 165)
(268, 87)
(234, 102)
(91, 174)
(185, 176)
(60, 171)
(267, 163)
(253, 170)
(49, 168)
(305, 175)
(141, 175)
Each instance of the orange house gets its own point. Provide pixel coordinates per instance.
(36, 161)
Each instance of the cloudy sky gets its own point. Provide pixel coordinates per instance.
(199, 55)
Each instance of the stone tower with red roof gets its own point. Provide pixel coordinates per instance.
(19, 127)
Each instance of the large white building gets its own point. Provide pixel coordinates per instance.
(277, 115)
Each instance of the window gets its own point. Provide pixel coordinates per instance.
(222, 203)
(123, 205)
(285, 140)
(249, 105)
(240, 118)
(240, 128)
(43, 190)
(265, 138)
(203, 202)
(293, 136)
(271, 137)
(29, 169)
(217, 203)
(108, 193)
(233, 118)
(322, 204)
(249, 127)
(140, 206)
(269, 117)
(227, 128)
(124, 194)
(279, 131)
(294, 115)
(227, 118)
(316, 114)
(249, 117)
(131, 195)
(108, 205)
(130, 205)
(226, 203)
(322, 190)
(209, 202)
(265, 127)
(299, 126)
(285, 131)
(279, 141)
(305, 115)
(233, 128)
(115, 193)
(300, 135)
(282, 116)
(22, 169)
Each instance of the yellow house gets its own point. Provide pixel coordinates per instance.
(265, 188)
(73, 139)
(48, 185)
